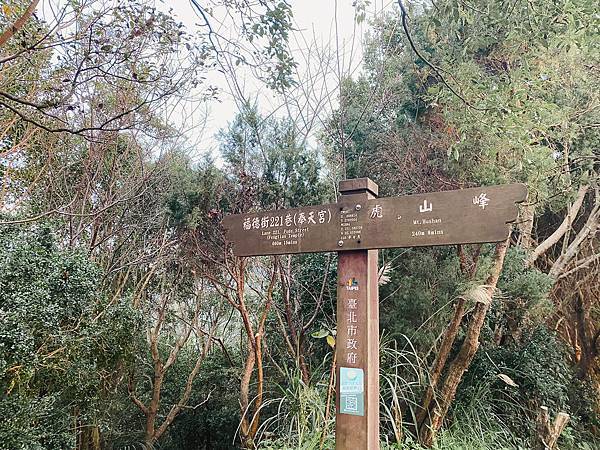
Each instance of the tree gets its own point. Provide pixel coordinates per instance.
(60, 341)
(268, 168)
(264, 26)
(87, 48)
(177, 319)
(457, 95)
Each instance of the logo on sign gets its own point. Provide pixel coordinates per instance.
(352, 391)
(352, 284)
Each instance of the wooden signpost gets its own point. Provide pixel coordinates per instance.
(355, 227)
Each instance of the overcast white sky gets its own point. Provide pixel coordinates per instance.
(320, 23)
(326, 42)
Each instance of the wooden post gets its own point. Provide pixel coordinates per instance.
(357, 226)
(357, 342)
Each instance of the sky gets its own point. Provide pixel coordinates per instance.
(324, 28)
(325, 44)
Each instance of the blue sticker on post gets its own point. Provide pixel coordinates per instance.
(352, 391)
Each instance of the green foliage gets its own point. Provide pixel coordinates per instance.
(520, 107)
(529, 284)
(213, 415)
(513, 98)
(417, 301)
(193, 193)
(525, 72)
(267, 166)
(273, 27)
(298, 421)
(60, 340)
(539, 368)
(583, 403)
(522, 301)
(473, 430)
(402, 375)
(269, 163)
(571, 439)
(523, 107)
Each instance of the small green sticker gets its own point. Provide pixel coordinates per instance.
(352, 391)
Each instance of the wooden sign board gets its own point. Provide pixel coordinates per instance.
(474, 215)
(355, 226)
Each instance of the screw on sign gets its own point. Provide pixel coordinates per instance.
(357, 226)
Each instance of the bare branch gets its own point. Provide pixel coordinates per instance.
(561, 230)
(589, 229)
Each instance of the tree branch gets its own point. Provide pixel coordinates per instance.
(436, 69)
(561, 230)
(590, 227)
(20, 23)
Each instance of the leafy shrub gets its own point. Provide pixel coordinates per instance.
(59, 340)
(540, 373)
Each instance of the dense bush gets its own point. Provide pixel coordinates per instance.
(418, 299)
(539, 369)
(59, 340)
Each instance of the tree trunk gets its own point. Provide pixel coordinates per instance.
(89, 438)
(294, 331)
(245, 397)
(330, 391)
(565, 226)
(547, 433)
(588, 231)
(437, 410)
(440, 362)
(525, 226)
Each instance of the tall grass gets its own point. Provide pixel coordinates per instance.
(300, 421)
(475, 427)
(402, 376)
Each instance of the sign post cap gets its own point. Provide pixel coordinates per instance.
(358, 185)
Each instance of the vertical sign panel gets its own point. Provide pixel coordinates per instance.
(357, 343)
(352, 349)
(357, 352)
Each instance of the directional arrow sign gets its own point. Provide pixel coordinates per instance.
(474, 215)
